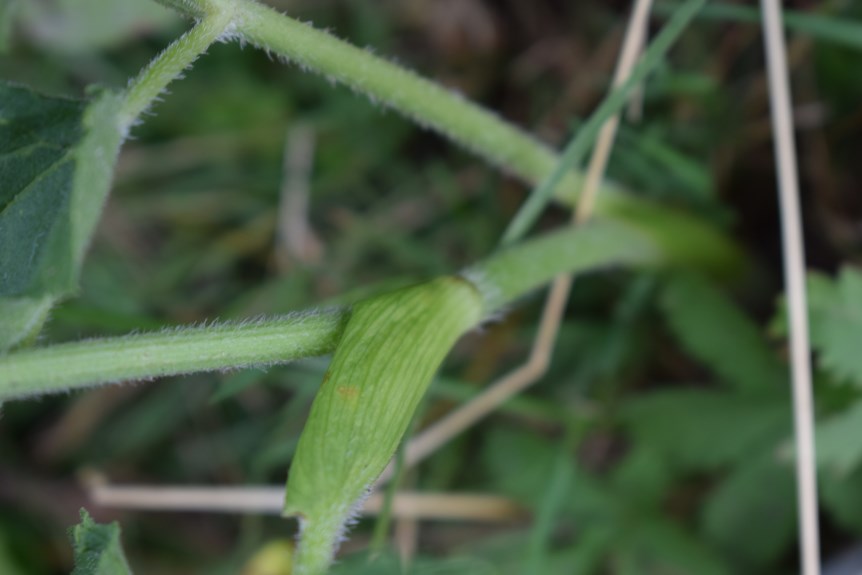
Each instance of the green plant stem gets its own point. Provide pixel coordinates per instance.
(170, 352)
(515, 271)
(501, 279)
(430, 105)
(451, 115)
(583, 140)
(471, 126)
(169, 65)
(314, 554)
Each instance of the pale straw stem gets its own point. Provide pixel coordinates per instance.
(270, 500)
(794, 278)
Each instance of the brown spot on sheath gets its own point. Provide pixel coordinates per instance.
(347, 391)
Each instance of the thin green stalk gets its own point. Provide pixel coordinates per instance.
(384, 518)
(171, 63)
(581, 143)
(517, 270)
(314, 553)
(559, 486)
(170, 352)
(835, 28)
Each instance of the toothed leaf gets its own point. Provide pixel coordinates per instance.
(836, 323)
(702, 430)
(714, 330)
(97, 548)
(839, 450)
(748, 517)
(835, 319)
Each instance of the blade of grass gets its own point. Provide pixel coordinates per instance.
(406, 531)
(559, 485)
(818, 26)
(384, 519)
(580, 144)
(561, 478)
(441, 110)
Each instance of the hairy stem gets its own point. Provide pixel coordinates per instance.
(460, 120)
(501, 279)
(314, 554)
(170, 352)
(426, 102)
(169, 65)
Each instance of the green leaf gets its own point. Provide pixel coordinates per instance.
(97, 548)
(56, 161)
(587, 556)
(714, 330)
(700, 430)
(835, 319)
(642, 478)
(391, 347)
(520, 463)
(655, 546)
(750, 516)
(839, 450)
(835, 309)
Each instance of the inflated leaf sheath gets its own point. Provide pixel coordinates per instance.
(390, 349)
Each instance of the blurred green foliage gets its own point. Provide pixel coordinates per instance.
(659, 441)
